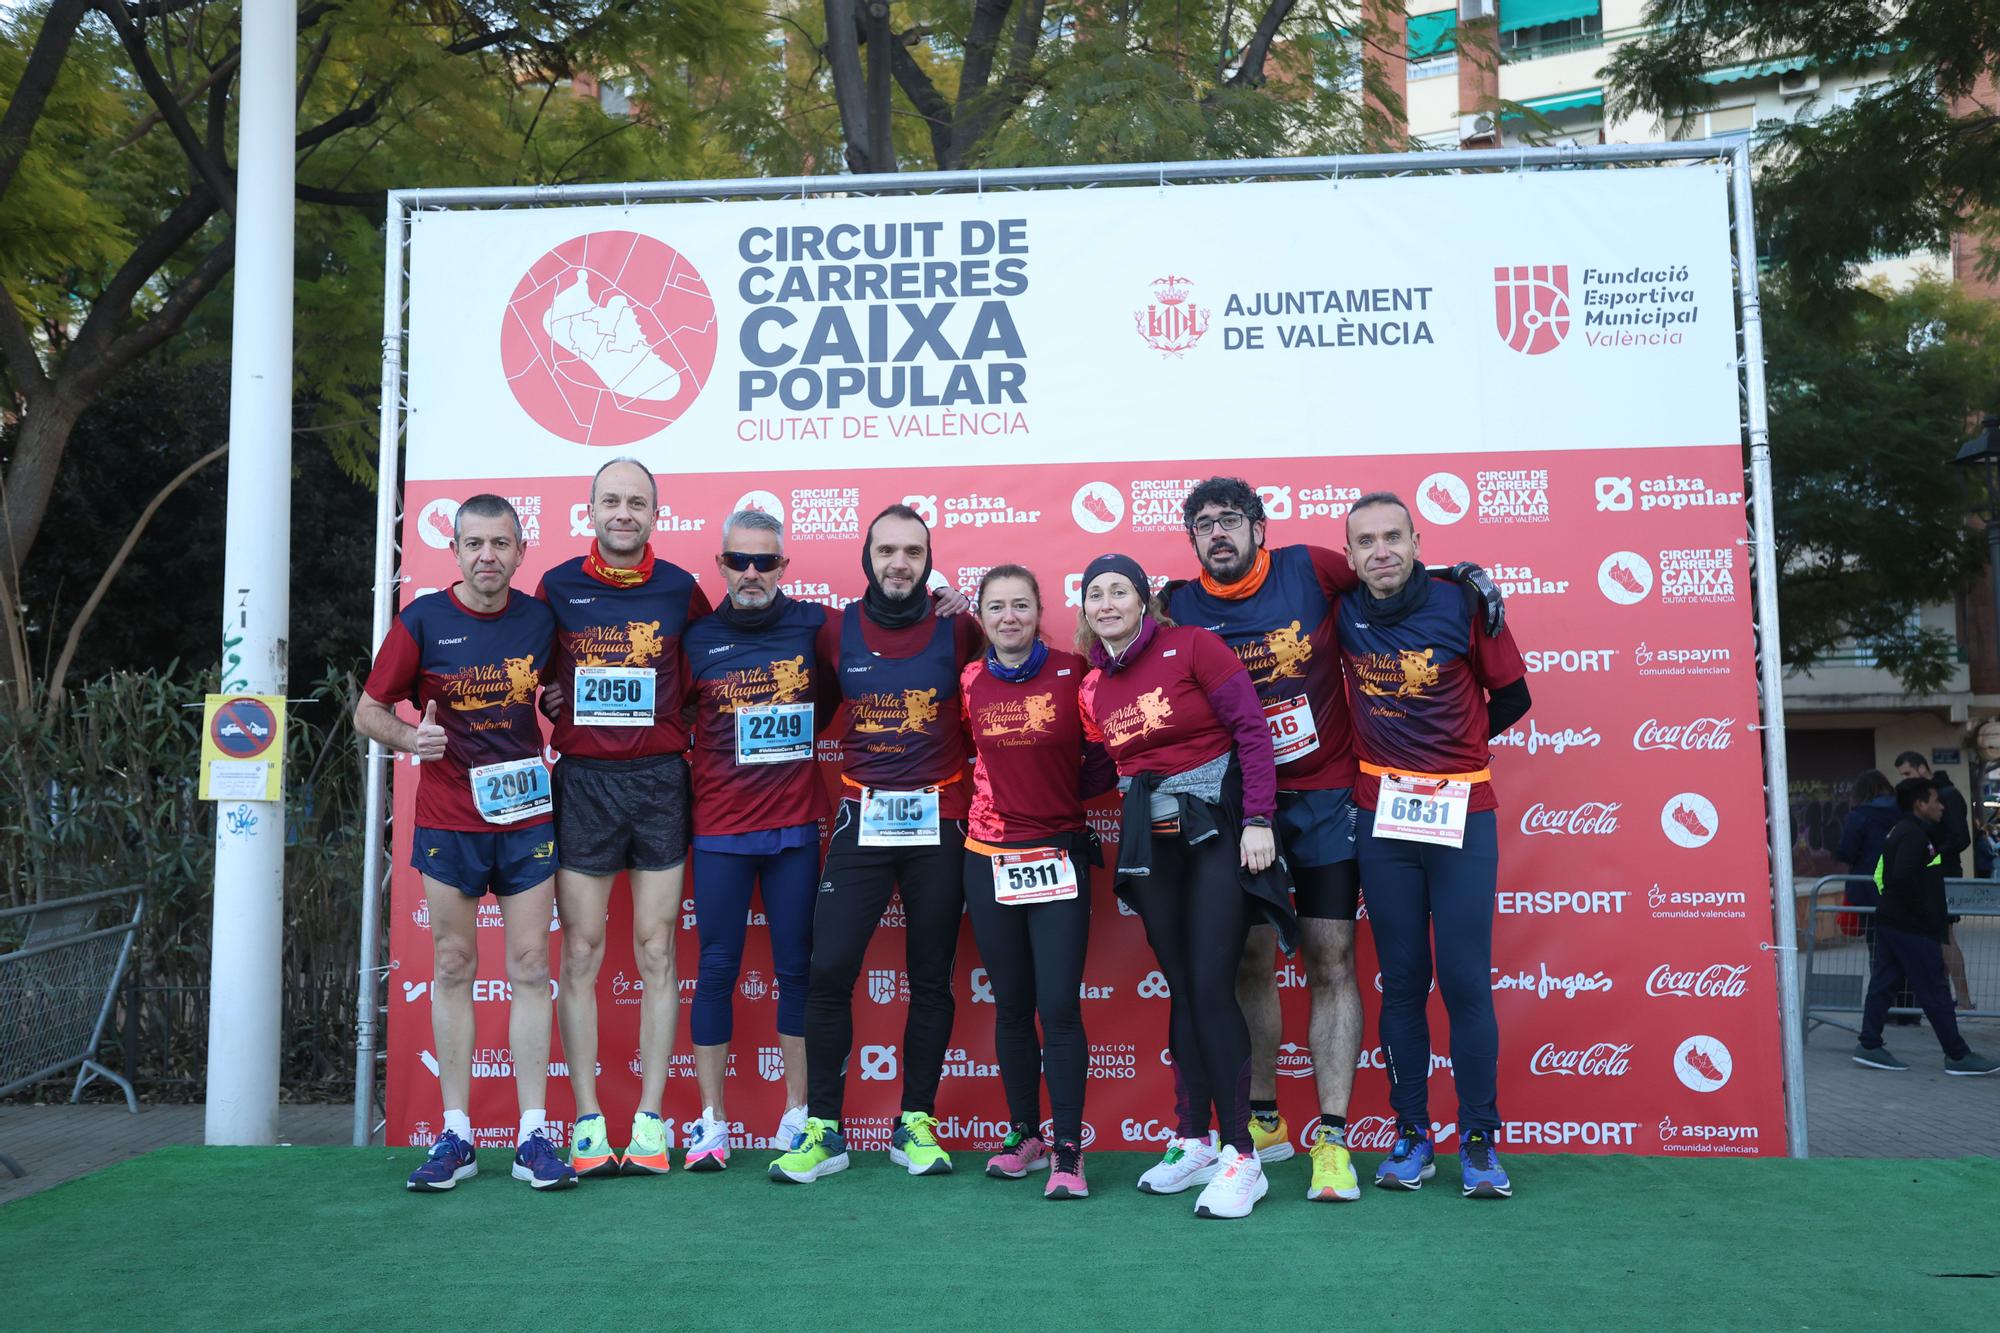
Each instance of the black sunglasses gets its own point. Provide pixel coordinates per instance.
(763, 563)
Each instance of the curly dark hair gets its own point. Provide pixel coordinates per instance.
(1232, 492)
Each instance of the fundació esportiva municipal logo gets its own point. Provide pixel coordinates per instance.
(1171, 323)
(1531, 306)
(608, 338)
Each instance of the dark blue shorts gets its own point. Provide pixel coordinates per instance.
(504, 861)
(1317, 827)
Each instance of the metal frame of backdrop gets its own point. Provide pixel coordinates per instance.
(1750, 383)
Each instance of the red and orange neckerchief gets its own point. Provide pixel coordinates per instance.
(594, 565)
(1246, 586)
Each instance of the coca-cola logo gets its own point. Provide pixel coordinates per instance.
(1703, 733)
(1592, 818)
(1372, 1133)
(1717, 981)
(1604, 1059)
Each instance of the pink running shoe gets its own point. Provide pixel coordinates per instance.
(1019, 1154)
(1066, 1176)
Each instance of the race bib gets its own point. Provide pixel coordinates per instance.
(511, 792)
(1038, 875)
(774, 733)
(608, 696)
(1422, 810)
(1293, 735)
(898, 818)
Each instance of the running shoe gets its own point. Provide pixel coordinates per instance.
(790, 1126)
(451, 1161)
(590, 1154)
(914, 1146)
(537, 1162)
(1972, 1063)
(1066, 1175)
(1480, 1169)
(1271, 1137)
(708, 1150)
(1877, 1057)
(1411, 1162)
(1333, 1170)
(820, 1150)
(1238, 1184)
(1188, 1162)
(646, 1154)
(1019, 1154)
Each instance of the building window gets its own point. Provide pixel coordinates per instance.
(1553, 39)
(1721, 122)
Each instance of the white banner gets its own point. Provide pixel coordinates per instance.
(1531, 311)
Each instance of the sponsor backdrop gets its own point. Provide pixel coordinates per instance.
(1043, 375)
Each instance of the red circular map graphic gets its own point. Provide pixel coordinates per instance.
(609, 338)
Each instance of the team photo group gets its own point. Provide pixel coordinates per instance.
(1290, 732)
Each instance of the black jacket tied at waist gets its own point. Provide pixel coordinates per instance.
(1201, 820)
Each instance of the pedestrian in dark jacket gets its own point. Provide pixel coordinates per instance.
(1910, 932)
(1955, 835)
(1871, 813)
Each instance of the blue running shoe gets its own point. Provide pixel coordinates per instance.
(1485, 1178)
(537, 1162)
(451, 1161)
(1411, 1162)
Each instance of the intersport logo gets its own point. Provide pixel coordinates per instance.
(1604, 1059)
(1702, 733)
(1717, 981)
(1591, 819)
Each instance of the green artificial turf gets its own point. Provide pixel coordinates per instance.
(243, 1237)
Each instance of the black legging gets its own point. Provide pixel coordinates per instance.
(1034, 961)
(854, 889)
(1196, 916)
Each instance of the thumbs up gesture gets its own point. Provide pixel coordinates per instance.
(430, 736)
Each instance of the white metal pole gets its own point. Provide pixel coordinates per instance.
(245, 991)
(1770, 665)
(375, 777)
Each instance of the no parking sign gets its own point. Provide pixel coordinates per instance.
(243, 747)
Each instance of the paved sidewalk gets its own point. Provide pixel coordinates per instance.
(1853, 1111)
(58, 1143)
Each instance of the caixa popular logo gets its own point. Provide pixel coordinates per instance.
(608, 338)
(1171, 324)
(1531, 306)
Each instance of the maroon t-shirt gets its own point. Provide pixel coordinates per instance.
(640, 626)
(907, 734)
(1030, 770)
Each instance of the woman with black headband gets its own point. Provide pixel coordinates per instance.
(1196, 855)
(1028, 855)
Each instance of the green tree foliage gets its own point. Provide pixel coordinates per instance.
(1867, 409)
(1896, 171)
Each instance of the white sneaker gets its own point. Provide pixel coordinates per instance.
(790, 1126)
(1188, 1162)
(708, 1147)
(1239, 1182)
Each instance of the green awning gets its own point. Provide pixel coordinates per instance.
(1433, 34)
(1548, 106)
(1763, 69)
(1515, 14)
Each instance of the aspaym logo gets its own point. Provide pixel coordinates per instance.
(1531, 306)
(608, 338)
(434, 523)
(1625, 577)
(1443, 498)
(1689, 819)
(1097, 506)
(761, 502)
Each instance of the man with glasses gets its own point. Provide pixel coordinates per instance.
(1275, 608)
(759, 705)
(615, 695)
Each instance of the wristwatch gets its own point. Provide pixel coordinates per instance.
(1257, 821)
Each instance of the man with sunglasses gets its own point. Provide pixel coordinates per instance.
(758, 799)
(1275, 608)
(615, 694)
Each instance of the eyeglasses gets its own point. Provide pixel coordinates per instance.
(763, 562)
(1229, 522)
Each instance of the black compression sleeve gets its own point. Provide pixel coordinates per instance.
(1506, 706)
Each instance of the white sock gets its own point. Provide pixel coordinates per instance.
(459, 1123)
(532, 1119)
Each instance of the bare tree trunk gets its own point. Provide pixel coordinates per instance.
(38, 77)
(31, 479)
(843, 56)
(881, 143)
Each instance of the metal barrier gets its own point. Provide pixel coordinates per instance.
(57, 986)
(1835, 974)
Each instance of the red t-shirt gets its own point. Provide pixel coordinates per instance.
(933, 747)
(1027, 739)
(640, 626)
(481, 670)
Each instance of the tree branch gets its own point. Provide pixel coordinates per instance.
(925, 97)
(168, 105)
(359, 114)
(375, 200)
(17, 347)
(114, 304)
(38, 78)
(166, 321)
(1250, 74)
(843, 54)
(111, 572)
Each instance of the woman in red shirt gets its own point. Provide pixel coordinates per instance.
(1180, 717)
(1028, 854)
